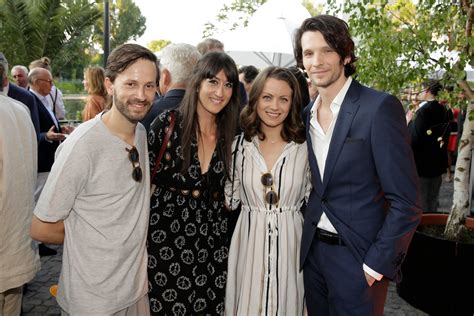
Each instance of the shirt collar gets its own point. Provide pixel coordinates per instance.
(337, 102)
(41, 97)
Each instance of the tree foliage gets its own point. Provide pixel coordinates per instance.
(313, 9)
(36, 28)
(157, 45)
(231, 16)
(69, 32)
(400, 44)
(238, 13)
(126, 22)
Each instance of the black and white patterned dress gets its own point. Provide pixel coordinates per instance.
(187, 237)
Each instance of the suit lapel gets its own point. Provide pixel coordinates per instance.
(315, 173)
(46, 114)
(344, 120)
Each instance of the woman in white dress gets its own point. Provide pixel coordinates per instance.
(271, 182)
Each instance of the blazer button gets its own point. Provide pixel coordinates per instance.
(315, 224)
(324, 201)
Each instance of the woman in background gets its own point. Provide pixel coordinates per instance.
(271, 181)
(97, 100)
(187, 237)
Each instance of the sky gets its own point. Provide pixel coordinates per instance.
(180, 21)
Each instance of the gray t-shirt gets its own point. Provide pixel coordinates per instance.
(105, 215)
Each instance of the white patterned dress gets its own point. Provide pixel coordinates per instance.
(263, 275)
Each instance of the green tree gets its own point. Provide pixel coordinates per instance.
(126, 23)
(157, 45)
(36, 28)
(313, 8)
(238, 13)
(232, 15)
(401, 44)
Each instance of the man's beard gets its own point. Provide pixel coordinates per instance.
(123, 108)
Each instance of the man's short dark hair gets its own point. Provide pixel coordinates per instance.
(433, 86)
(250, 73)
(124, 55)
(335, 32)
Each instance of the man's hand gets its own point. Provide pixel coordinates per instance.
(370, 279)
(53, 136)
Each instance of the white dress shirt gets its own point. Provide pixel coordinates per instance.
(321, 142)
(44, 100)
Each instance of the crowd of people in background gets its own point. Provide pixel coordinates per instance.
(194, 186)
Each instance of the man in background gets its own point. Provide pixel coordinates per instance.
(19, 260)
(20, 76)
(429, 132)
(247, 75)
(176, 65)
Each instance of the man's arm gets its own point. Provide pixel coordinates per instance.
(398, 178)
(51, 233)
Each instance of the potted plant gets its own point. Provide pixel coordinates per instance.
(437, 272)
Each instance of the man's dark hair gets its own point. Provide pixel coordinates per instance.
(250, 73)
(433, 86)
(335, 32)
(123, 56)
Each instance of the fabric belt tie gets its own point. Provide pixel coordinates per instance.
(328, 237)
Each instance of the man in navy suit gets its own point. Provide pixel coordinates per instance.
(19, 94)
(364, 206)
(40, 81)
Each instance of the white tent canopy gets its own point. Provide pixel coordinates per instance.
(268, 38)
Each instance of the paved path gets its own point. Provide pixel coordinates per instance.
(38, 301)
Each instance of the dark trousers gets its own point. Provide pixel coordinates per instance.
(429, 189)
(335, 284)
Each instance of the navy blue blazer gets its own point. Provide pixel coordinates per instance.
(28, 99)
(370, 189)
(169, 101)
(46, 149)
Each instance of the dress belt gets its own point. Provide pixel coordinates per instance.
(328, 237)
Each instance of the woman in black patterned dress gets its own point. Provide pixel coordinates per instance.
(187, 238)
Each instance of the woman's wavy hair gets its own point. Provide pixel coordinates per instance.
(335, 32)
(293, 128)
(208, 66)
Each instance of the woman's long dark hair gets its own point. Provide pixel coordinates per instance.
(293, 128)
(208, 67)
